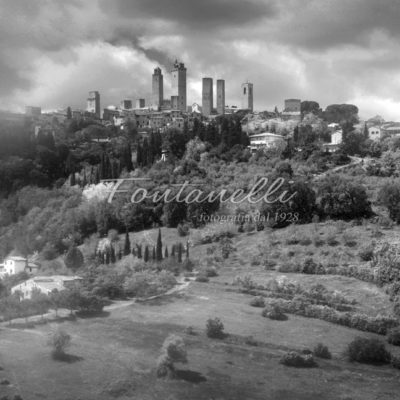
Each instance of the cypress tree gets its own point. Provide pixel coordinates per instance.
(146, 254)
(108, 256)
(154, 254)
(159, 246)
(187, 250)
(173, 251)
(72, 181)
(127, 244)
(112, 255)
(180, 252)
(139, 251)
(166, 252)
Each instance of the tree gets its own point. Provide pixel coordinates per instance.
(340, 198)
(56, 300)
(340, 113)
(154, 254)
(146, 253)
(159, 256)
(166, 252)
(127, 244)
(173, 351)
(59, 341)
(310, 107)
(139, 251)
(389, 196)
(74, 258)
(180, 252)
(69, 113)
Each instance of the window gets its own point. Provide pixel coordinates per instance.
(244, 91)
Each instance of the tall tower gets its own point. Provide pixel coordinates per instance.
(207, 98)
(157, 89)
(179, 84)
(93, 103)
(221, 96)
(247, 96)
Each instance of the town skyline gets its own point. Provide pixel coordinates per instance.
(53, 53)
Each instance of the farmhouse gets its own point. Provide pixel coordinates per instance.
(14, 265)
(266, 140)
(45, 284)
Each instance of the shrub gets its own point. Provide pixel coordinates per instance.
(340, 198)
(274, 312)
(322, 351)
(189, 330)
(370, 351)
(210, 272)
(257, 302)
(215, 328)
(183, 230)
(395, 361)
(59, 341)
(394, 337)
(295, 359)
(366, 253)
(172, 351)
(202, 277)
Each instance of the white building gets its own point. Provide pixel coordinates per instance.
(15, 265)
(266, 140)
(374, 133)
(45, 284)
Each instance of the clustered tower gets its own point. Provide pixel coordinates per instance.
(93, 103)
(207, 96)
(178, 98)
(220, 96)
(157, 89)
(247, 96)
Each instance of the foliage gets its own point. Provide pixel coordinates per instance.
(74, 258)
(257, 302)
(339, 198)
(368, 350)
(393, 337)
(322, 351)
(295, 359)
(172, 351)
(215, 328)
(59, 341)
(274, 312)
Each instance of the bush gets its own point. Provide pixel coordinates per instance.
(369, 351)
(322, 351)
(395, 361)
(59, 341)
(295, 359)
(202, 277)
(183, 230)
(172, 351)
(274, 312)
(394, 337)
(210, 272)
(257, 302)
(215, 328)
(366, 253)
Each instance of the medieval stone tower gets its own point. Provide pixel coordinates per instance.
(221, 96)
(207, 97)
(247, 96)
(179, 85)
(157, 89)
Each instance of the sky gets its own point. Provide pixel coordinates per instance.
(53, 52)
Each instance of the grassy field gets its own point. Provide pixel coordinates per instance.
(115, 356)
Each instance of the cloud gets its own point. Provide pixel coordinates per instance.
(53, 52)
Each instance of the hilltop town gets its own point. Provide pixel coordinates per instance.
(111, 290)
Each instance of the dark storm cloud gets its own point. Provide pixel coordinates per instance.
(11, 80)
(201, 14)
(319, 25)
